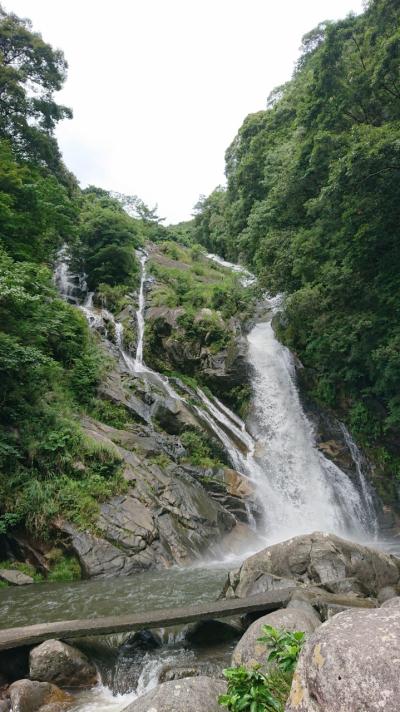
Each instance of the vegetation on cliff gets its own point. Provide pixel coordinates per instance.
(52, 365)
(312, 205)
(50, 362)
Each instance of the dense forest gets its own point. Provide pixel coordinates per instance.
(312, 205)
(50, 363)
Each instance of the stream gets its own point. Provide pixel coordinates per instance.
(298, 490)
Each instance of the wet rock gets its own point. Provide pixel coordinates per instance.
(97, 557)
(114, 389)
(172, 415)
(32, 696)
(143, 640)
(186, 695)
(61, 664)
(164, 318)
(349, 664)
(392, 603)
(165, 517)
(229, 367)
(14, 577)
(128, 522)
(322, 559)
(178, 672)
(249, 651)
(386, 594)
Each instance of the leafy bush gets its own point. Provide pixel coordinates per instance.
(64, 567)
(252, 691)
(285, 646)
(202, 450)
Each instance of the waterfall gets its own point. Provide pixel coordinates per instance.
(300, 490)
(311, 492)
(366, 490)
(140, 315)
(297, 489)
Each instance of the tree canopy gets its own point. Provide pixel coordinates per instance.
(312, 205)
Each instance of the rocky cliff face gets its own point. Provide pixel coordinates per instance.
(172, 511)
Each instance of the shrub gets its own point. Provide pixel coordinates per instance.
(252, 691)
(285, 646)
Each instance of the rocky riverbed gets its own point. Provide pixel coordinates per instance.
(346, 601)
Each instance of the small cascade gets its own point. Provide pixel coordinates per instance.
(67, 284)
(140, 315)
(366, 490)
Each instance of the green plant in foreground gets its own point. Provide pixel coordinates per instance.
(249, 690)
(285, 646)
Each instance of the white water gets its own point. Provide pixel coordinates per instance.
(298, 489)
(311, 492)
(140, 315)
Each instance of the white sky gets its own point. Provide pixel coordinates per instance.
(159, 88)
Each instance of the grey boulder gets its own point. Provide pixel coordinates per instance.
(59, 663)
(323, 559)
(29, 696)
(350, 664)
(249, 651)
(14, 577)
(190, 694)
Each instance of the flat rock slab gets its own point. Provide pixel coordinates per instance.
(14, 577)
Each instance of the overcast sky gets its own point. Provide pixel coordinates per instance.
(159, 88)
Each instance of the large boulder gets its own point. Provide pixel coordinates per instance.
(249, 651)
(337, 565)
(57, 662)
(350, 664)
(189, 694)
(29, 696)
(14, 577)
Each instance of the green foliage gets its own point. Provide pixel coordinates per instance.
(202, 450)
(285, 646)
(64, 567)
(31, 71)
(86, 374)
(312, 204)
(110, 413)
(114, 298)
(252, 691)
(108, 237)
(182, 233)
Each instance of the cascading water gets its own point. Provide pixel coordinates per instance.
(311, 492)
(140, 315)
(301, 489)
(297, 488)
